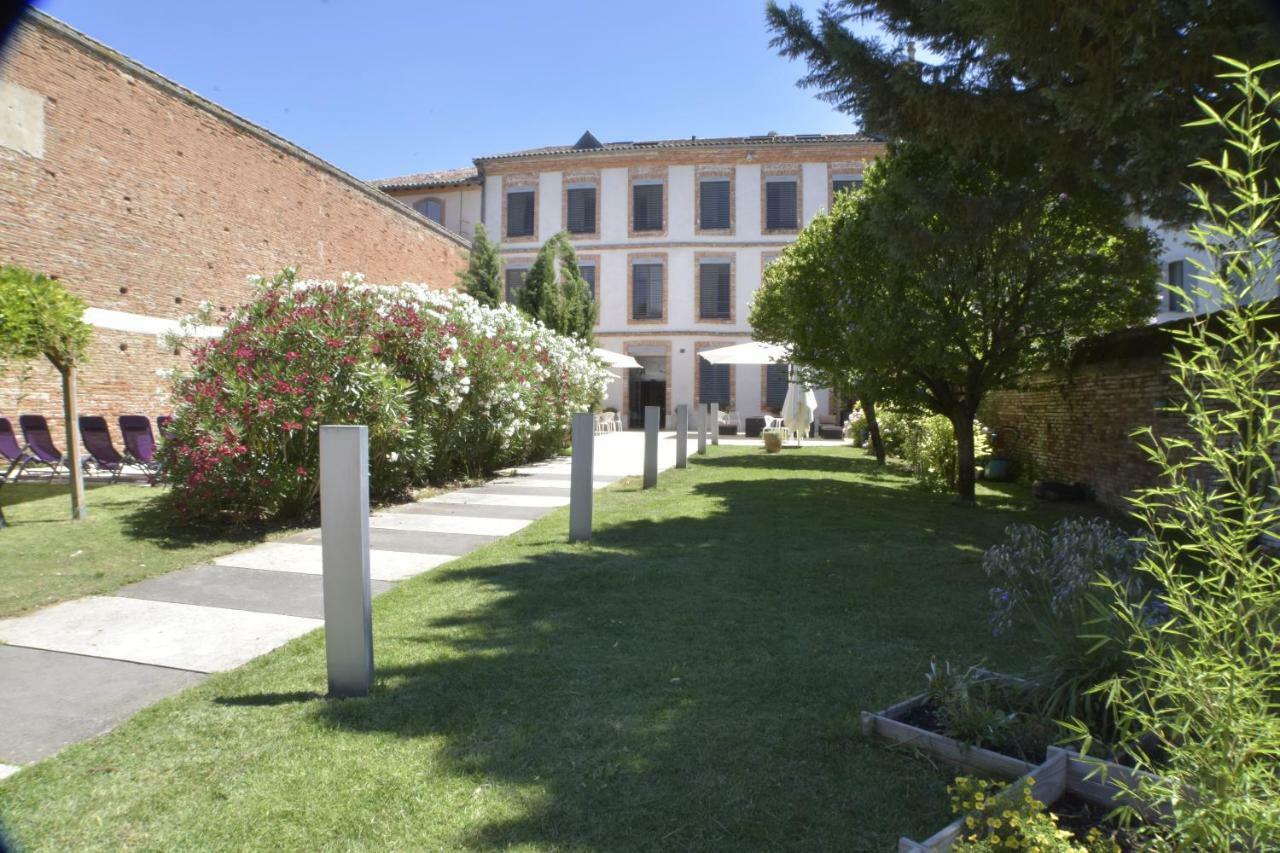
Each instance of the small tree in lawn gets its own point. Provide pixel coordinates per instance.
(804, 300)
(39, 317)
(483, 276)
(948, 279)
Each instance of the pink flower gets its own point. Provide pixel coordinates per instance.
(302, 471)
(290, 426)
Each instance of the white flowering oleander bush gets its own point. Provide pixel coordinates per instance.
(446, 386)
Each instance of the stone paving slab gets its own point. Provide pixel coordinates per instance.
(538, 483)
(183, 636)
(530, 513)
(476, 526)
(290, 593)
(521, 489)
(305, 556)
(7, 770)
(412, 541)
(52, 699)
(507, 498)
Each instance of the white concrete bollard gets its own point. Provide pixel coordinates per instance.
(580, 477)
(714, 417)
(682, 436)
(344, 538)
(704, 412)
(650, 446)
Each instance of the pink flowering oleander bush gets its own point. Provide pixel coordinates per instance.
(446, 386)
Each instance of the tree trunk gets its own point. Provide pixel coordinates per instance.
(69, 413)
(873, 430)
(962, 424)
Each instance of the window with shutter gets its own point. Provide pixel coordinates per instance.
(714, 205)
(520, 213)
(589, 276)
(775, 386)
(432, 208)
(1177, 298)
(713, 290)
(780, 205)
(515, 281)
(713, 384)
(646, 291)
(840, 183)
(582, 210)
(647, 207)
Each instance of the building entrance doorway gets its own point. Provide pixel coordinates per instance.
(648, 387)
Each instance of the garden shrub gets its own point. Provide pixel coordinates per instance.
(926, 443)
(446, 386)
(1051, 582)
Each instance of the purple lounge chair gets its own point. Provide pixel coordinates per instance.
(140, 444)
(9, 447)
(39, 445)
(97, 440)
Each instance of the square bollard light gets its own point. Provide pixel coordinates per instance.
(580, 477)
(650, 446)
(344, 538)
(704, 414)
(682, 436)
(714, 417)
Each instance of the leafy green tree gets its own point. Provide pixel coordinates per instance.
(1202, 692)
(41, 318)
(1096, 92)
(555, 292)
(483, 276)
(945, 279)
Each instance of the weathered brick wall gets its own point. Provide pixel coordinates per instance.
(147, 199)
(1077, 425)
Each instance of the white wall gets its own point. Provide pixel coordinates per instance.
(613, 205)
(680, 202)
(746, 187)
(549, 185)
(461, 207)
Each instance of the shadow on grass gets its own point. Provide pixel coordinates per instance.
(692, 679)
(158, 522)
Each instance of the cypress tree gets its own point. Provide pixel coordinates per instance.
(483, 276)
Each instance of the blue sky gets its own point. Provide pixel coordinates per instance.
(384, 88)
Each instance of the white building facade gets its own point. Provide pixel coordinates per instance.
(672, 236)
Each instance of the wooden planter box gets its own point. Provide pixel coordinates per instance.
(1048, 782)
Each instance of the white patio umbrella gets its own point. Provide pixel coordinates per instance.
(798, 409)
(752, 352)
(615, 359)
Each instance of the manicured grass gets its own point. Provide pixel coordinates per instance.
(128, 535)
(689, 681)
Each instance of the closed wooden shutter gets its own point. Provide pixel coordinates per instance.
(713, 384)
(775, 385)
(647, 207)
(713, 290)
(646, 291)
(582, 210)
(520, 213)
(714, 201)
(780, 205)
(589, 276)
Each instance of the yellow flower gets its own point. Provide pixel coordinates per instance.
(994, 822)
(970, 822)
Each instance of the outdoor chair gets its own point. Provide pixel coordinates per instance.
(10, 449)
(140, 444)
(38, 445)
(97, 440)
(162, 425)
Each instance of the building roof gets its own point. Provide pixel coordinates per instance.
(431, 180)
(588, 144)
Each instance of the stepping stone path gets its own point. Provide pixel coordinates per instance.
(75, 670)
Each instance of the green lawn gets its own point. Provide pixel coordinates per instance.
(690, 681)
(128, 536)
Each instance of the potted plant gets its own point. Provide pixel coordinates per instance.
(772, 439)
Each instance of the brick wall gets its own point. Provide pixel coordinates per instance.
(147, 199)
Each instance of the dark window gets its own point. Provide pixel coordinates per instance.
(646, 291)
(780, 205)
(432, 208)
(775, 386)
(589, 276)
(839, 185)
(515, 281)
(1176, 297)
(713, 290)
(582, 210)
(520, 213)
(713, 384)
(714, 205)
(647, 207)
